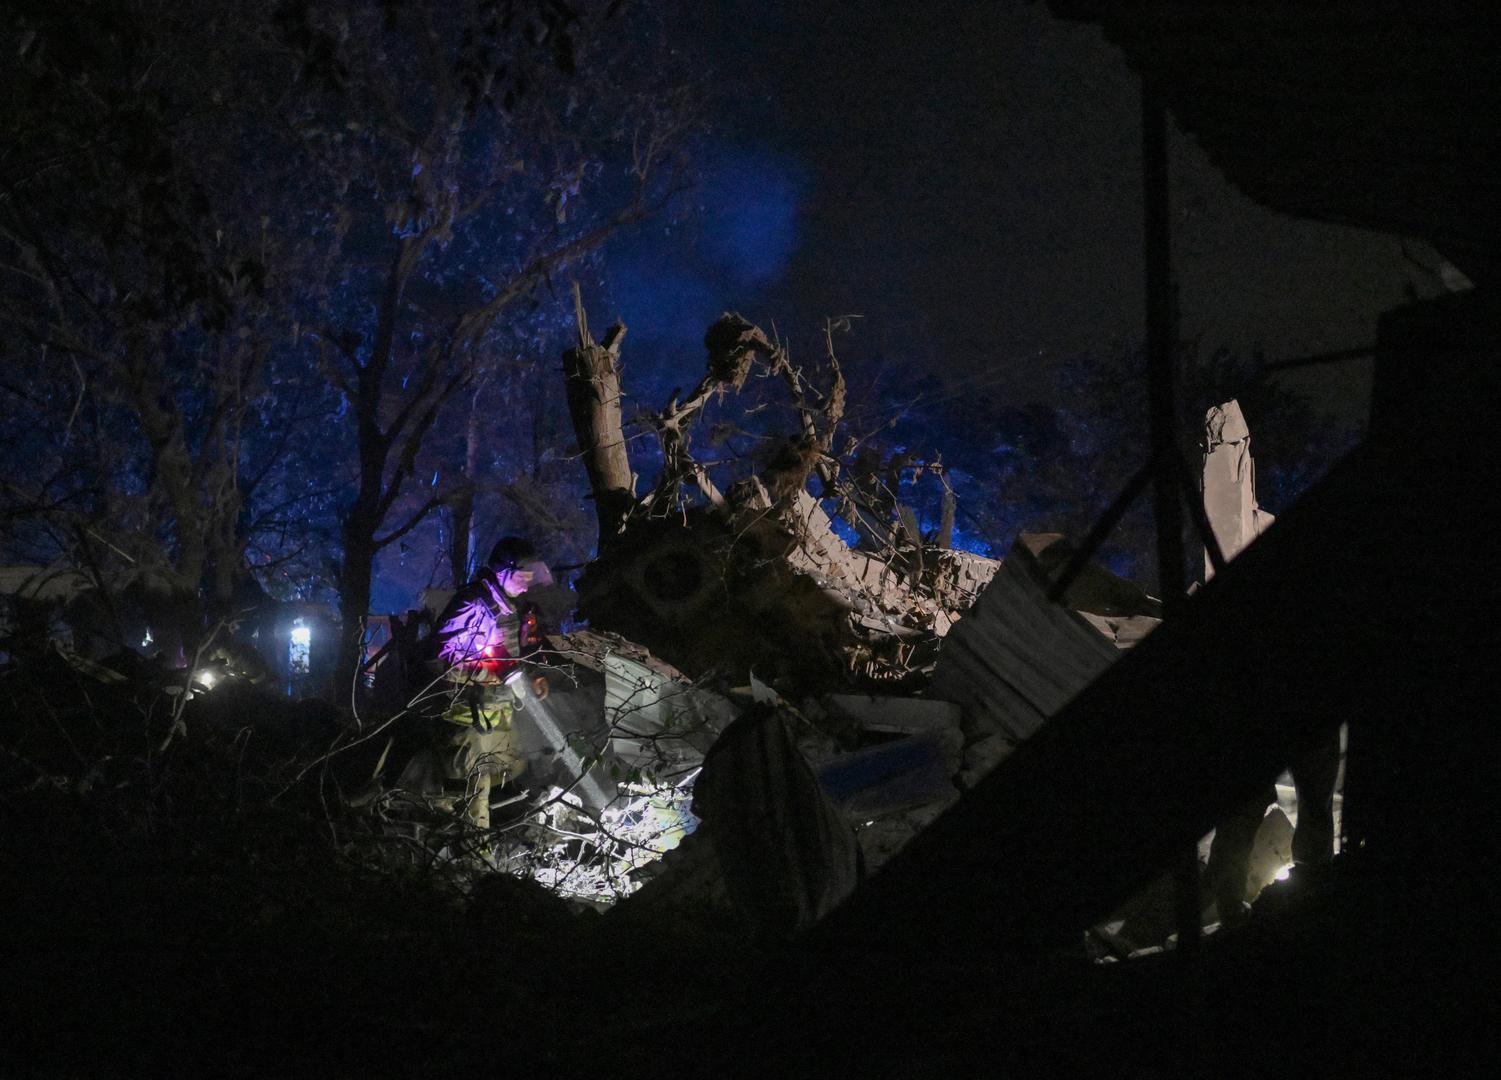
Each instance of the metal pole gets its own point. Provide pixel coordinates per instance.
(1167, 476)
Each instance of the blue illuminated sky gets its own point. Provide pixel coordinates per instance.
(668, 281)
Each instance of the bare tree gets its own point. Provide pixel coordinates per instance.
(218, 224)
(497, 153)
(138, 316)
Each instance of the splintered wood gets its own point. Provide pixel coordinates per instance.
(752, 573)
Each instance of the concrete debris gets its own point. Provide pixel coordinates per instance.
(1230, 483)
(919, 667)
(1118, 609)
(874, 587)
(735, 571)
(1007, 665)
(650, 735)
(777, 590)
(658, 719)
(640, 714)
(891, 716)
(1272, 853)
(1125, 631)
(960, 577)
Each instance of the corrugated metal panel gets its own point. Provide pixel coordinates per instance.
(1017, 658)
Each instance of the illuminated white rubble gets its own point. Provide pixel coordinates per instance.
(597, 858)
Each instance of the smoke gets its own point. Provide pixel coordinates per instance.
(728, 250)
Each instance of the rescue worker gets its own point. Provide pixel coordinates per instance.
(480, 640)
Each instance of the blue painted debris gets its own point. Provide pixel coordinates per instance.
(906, 772)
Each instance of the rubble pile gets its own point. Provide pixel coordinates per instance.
(882, 764)
(711, 571)
(779, 711)
(761, 713)
(1230, 482)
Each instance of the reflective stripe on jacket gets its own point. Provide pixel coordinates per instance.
(489, 706)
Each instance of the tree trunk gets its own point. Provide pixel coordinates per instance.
(461, 545)
(592, 380)
(356, 573)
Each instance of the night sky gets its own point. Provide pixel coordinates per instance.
(966, 177)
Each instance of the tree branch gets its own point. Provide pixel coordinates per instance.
(472, 326)
(414, 520)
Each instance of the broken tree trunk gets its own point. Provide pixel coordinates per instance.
(750, 573)
(1230, 483)
(592, 381)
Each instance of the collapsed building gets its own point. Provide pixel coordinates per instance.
(956, 680)
(749, 670)
(784, 711)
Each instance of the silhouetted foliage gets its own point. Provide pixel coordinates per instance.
(258, 258)
(1055, 467)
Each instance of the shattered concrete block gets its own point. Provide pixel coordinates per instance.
(772, 588)
(654, 717)
(962, 576)
(1127, 631)
(863, 580)
(1271, 853)
(1230, 483)
(652, 713)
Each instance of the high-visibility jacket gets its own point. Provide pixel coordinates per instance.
(480, 639)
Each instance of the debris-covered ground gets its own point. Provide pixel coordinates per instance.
(762, 712)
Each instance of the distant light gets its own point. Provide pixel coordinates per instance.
(205, 678)
(1284, 873)
(298, 651)
(146, 641)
